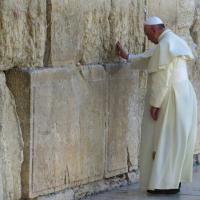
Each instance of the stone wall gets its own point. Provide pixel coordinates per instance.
(74, 132)
(79, 108)
(85, 31)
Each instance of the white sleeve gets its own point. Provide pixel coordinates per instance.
(147, 54)
(159, 87)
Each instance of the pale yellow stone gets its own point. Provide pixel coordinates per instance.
(79, 124)
(65, 195)
(11, 145)
(125, 107)
(86, 31)
(195, 27)
(23, 33)
(62, 114)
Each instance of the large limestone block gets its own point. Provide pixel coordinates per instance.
(11, 145)
(126, 25)
(194, 74)
(185, 13)
(23, 33)
(64, 31)
(185, 20)
(86, 31)
(62, 116)
(125, 109)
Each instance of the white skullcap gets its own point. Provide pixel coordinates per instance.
(153, 21)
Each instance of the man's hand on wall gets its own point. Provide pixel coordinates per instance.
(154, 112)
(120, 51)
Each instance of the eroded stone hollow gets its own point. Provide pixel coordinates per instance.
(70, 109)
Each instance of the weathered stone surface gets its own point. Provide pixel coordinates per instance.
(195, 72)
(124, 120)
(86, 31)
(65, 195)
(11, 146)
(185, 17)
(61, 32)
(23, 33)
(133, 177)
(99, 186)
(62, 115)
(194, 29)
(86, 190)
(72, 130)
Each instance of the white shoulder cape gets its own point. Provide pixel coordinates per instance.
(169, 47)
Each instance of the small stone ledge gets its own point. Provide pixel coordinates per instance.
(83, 191)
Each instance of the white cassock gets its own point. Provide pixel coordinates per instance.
(173, 135)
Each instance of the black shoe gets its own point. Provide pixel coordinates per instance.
(172, 191)
(165, 191)
(156, 191)
(160, 191)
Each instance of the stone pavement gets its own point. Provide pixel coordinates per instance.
(189, 191)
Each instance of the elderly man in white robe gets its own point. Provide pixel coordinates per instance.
(169, 124)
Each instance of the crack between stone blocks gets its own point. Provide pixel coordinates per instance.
(106, 124)
(192, 26)
(145, 17)
(193, 30)
(79, 69)
(67, 176)
(129, 164)
(111, 26)
(47, 54)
